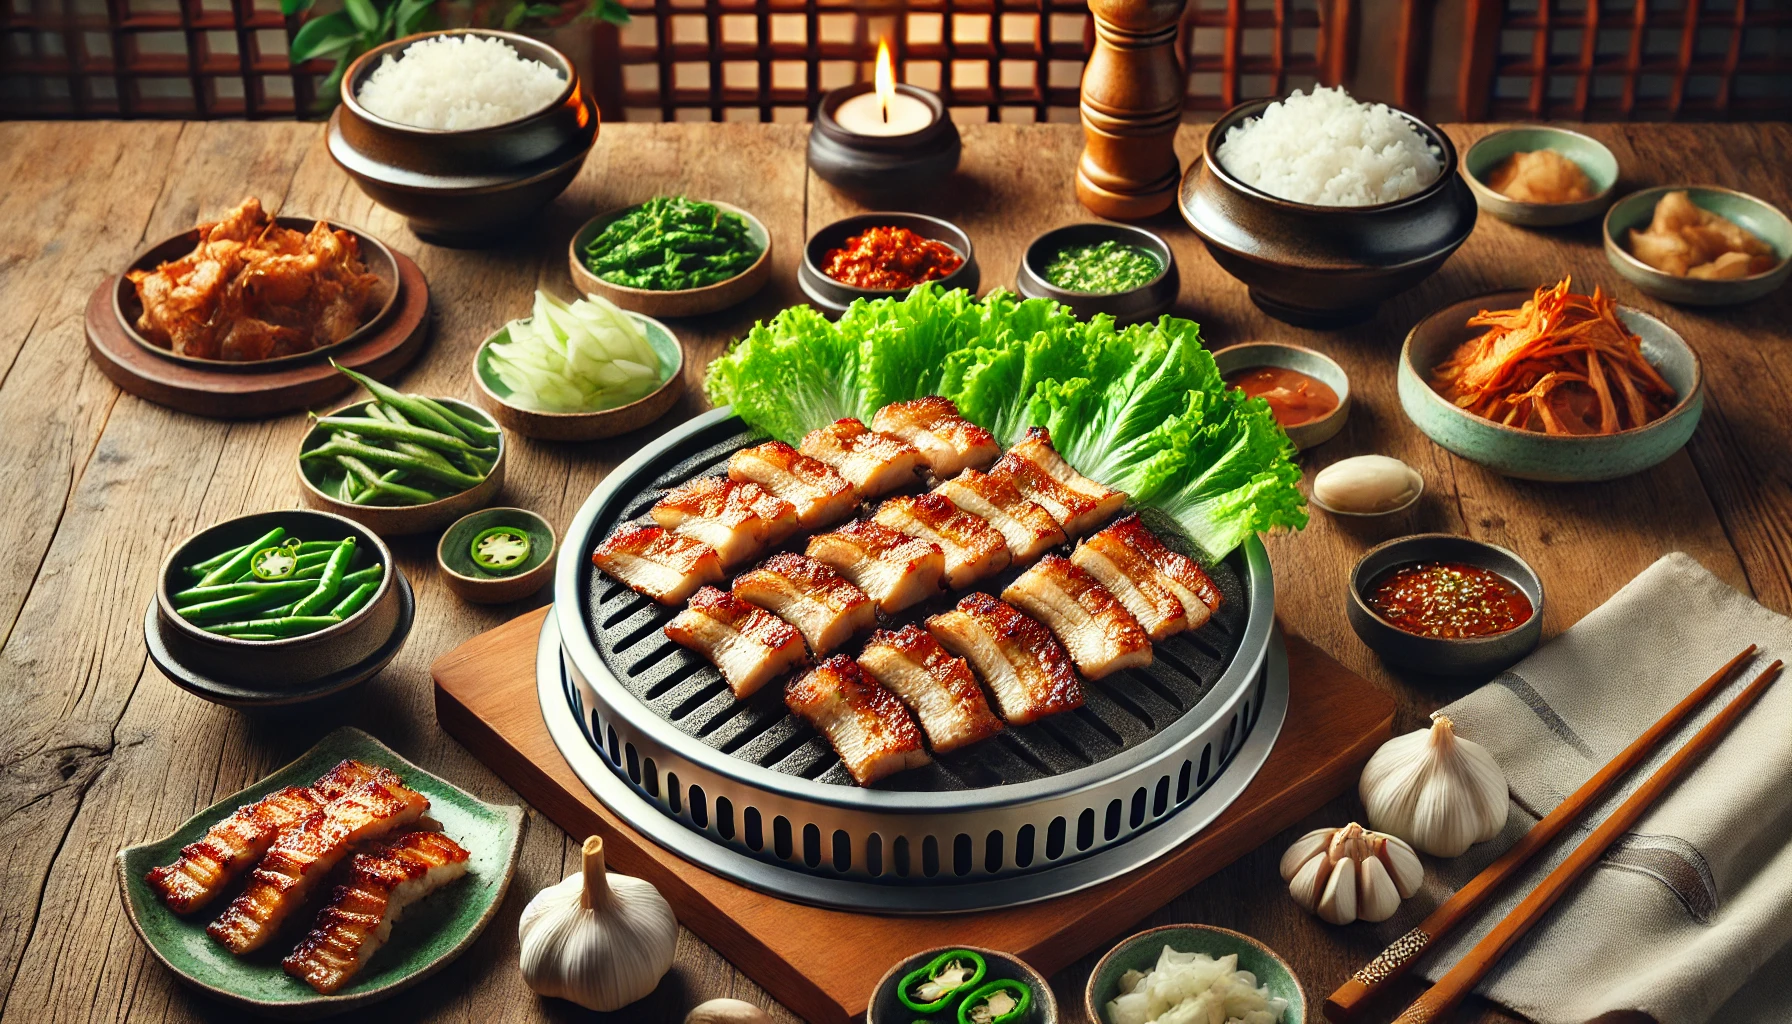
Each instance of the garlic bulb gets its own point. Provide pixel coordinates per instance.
(600, 940)
(727, 1011)
(1367, 485)
(1437, 791)
(1349, 874)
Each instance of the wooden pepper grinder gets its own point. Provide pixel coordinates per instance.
(1132, 104)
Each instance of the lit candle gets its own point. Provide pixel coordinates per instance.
(884, 112)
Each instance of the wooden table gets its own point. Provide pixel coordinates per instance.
(101, 751)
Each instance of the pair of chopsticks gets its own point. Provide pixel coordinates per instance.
(1460, 980)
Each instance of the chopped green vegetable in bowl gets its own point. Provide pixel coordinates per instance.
(1104, 268)
(671, 243)
(583, 357)
(1142, 409)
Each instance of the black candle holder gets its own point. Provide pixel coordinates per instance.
(882, 164)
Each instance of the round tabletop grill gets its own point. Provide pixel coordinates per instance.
(750, 791)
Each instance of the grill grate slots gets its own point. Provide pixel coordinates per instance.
(1121, 711)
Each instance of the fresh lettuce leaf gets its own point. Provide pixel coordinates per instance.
(790, 376)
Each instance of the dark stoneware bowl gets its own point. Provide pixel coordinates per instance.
(1477, 656)
(833, 297)
(464, 187)
(886, 1007)
(1146, 302)
(1324, 266)
(882, 165)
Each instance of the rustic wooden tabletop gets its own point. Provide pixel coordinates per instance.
(100, 751)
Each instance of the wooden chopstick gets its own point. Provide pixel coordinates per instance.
(1461, 979)
(1348, 1000)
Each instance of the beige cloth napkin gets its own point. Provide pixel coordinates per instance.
(1688, 918)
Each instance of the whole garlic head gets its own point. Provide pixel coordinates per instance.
(1436, 790)
(1348, 874)
(597, 939)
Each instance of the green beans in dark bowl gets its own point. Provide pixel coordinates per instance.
(276, 599)
(399, 463)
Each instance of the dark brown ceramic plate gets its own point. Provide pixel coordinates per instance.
(374, 254)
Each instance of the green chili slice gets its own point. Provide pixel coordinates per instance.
(500, 549)
(276, 563)
(1003, 1001)
(932, 986)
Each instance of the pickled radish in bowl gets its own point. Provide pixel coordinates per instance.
(585, 356)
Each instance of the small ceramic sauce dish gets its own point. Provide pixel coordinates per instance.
(1141, 953)
(1590, 155)
(677, 302)
(1143, 302)
(1238, 359)
(1367, 487)
(832, 296)
(499, 400)
(887, 1006)
(1478, 655)
(459, 554)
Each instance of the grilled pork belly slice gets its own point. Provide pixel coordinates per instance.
(937, 687)
(209, 865)
(747, 643)
(740, 520)
(1166, 591)
(1016, 657)
(1025, 524)
(821, 496)
(1078, 503)
(948, 441)
(307, 851)
(1100, 634)
(810, 596)
(894, 569)
(973, 548)
(653, 560)
(865, 722)
(873, 463)
(381, 883)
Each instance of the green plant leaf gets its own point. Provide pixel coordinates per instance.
(362, 12)
(514, 16)
(292, 7)
(329, 92)
(414, 16)
(542, 10)
(607, 10)
(321, 37)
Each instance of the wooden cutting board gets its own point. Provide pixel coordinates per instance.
(822, 963)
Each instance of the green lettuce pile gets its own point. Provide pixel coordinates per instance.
(1141, 409)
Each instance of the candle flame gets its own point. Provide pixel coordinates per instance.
(886, 78)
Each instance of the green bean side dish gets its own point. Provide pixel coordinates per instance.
(671, 243)
(310, 587)
(401, 450)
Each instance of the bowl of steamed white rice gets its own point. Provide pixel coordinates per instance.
(1324, 206)
(465, 132)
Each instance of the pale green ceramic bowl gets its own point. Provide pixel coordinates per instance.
(1140, 953)
(499, 400)
(1527, 454)
(1589, 154)
(1761, 218)
(454, 556)
(432, 932)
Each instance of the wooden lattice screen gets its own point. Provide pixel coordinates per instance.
(680, 59)
(1628, 59)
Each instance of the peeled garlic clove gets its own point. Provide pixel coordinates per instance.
(727, 1011)
(1376, 896)
(1437, 791)
(1308, 882)
(1366, 485)
(1337, 904)
(1303, 850)
(1403, 866)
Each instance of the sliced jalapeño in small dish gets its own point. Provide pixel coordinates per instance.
(500, 549)
(935, 984)
(1003, 1001)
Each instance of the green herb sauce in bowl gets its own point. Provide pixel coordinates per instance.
(1103, 268)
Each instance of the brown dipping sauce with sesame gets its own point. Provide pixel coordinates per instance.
(1450, 600)
(1294, 398)
(890, 259)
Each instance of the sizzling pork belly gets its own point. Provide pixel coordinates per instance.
(1078, 503)
(1018, 660)
(1025, 524)
(822, 497)
(657, 562)
(974, 549)
(1166, 591)
(948, 441)
(747, 643)
(896, 570)
(230, 847)
(1100, 634)
(873, 463)
(865, 722)
(937, 687)
(740, 520)
(381, 883)
(305, 852)
(810, 596)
